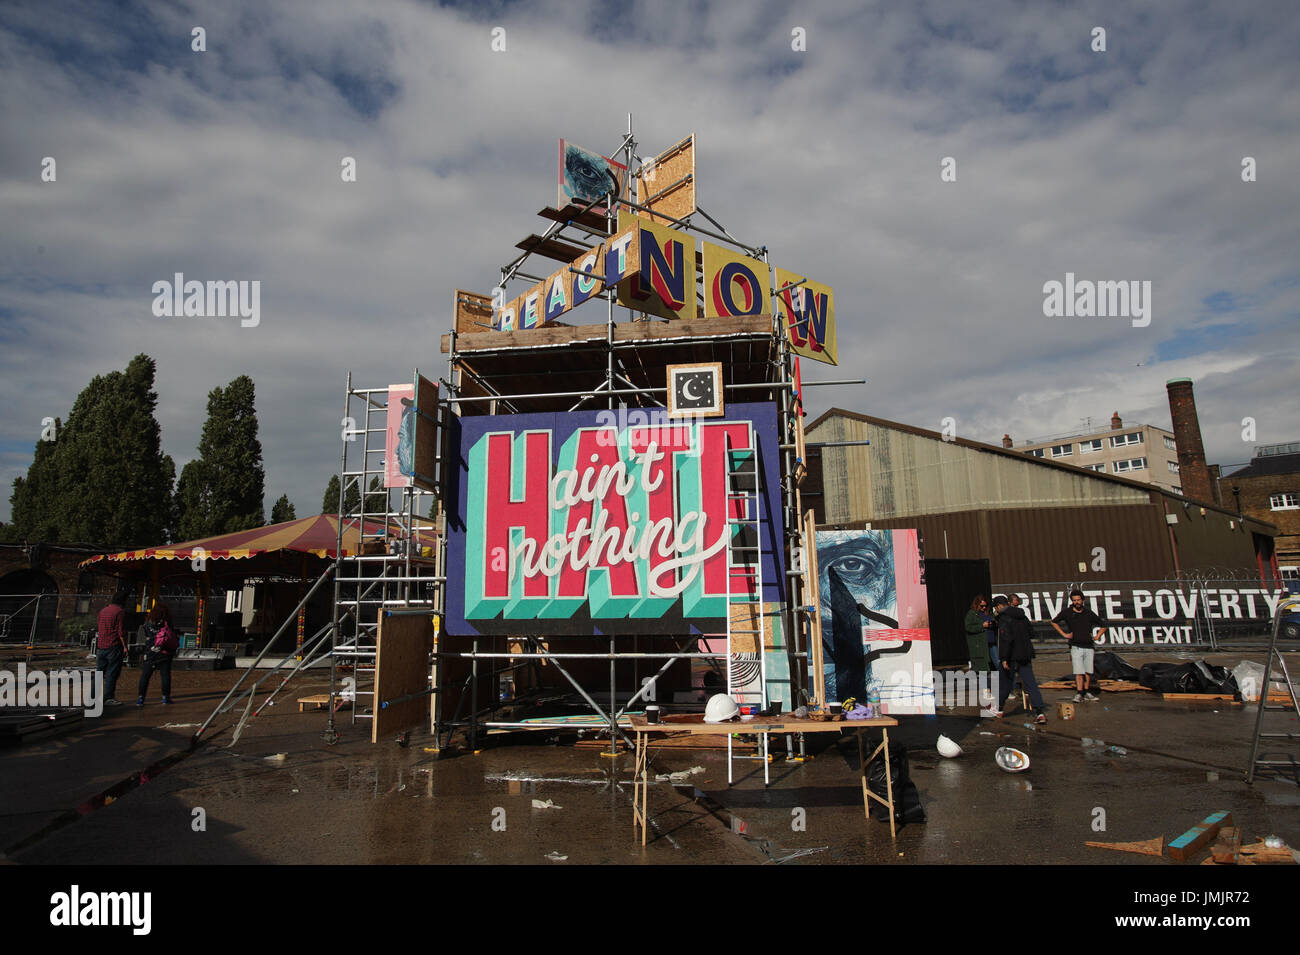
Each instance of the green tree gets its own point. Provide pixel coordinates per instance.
(221, 492)
(330, 502)
(282, 511)
(103, 479)
(376, 498)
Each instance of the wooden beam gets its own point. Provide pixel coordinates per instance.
(1200, 835)
(551, 248)
(553, 335)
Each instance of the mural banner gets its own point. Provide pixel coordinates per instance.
(588, 522)
(875, 619)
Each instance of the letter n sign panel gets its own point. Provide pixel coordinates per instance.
(588, 523)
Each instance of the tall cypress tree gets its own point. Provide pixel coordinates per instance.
(282, 510)
(104, 478)
(330, 502)
(222, 490)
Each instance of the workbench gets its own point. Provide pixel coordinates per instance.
(694, 725)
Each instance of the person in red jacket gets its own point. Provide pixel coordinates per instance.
(110, 644)
(161, 643)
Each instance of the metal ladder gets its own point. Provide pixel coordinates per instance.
(745, 564)
(1287, 605)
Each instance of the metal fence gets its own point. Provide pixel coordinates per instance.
(1159, 614)
(70, 619)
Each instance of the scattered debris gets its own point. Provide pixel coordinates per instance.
(1197, 837)
(554, 856)
(277, 758)
(548, 804)
(680, 775)
(1147, 847)
(985, 733)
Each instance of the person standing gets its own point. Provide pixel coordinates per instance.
(1081, 622)
(160, 650)
(978, 625)
(110, 644)
(1016, 648)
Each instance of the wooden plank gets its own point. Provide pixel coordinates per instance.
(473, 312)
(813, 592)
(1199, 836)
(1147, 847)
(572, 213)
(401, 669)
(556, 249)
(1197, 697)
(554, 335)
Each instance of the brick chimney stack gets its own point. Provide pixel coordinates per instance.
(1006, 441)
(1193, 474)
(1116, 422)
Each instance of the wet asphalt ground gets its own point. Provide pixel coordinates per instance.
(280, 794)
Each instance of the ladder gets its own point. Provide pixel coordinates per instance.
(1288, 605)
(745, 614)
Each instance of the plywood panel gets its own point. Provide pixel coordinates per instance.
(672, 191)
(473, 312)
(401, 670)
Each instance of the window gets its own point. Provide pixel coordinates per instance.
(1173, 467)
(1062, 450)
(1170, 443)
(1123, 440)
(1130, 464)
(1092, 445)
(1096, 467)
(1284, 502)
(1036, 453)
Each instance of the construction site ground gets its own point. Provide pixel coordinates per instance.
(127, 789)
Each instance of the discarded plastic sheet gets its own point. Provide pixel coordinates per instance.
(680, 775)
(548, 804)
(555, 856)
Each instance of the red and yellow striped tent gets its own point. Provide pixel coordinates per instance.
(289, 549)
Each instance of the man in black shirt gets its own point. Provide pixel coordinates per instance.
(1081, 622)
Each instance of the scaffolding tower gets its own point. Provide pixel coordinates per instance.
(621, 366)
(397, 563)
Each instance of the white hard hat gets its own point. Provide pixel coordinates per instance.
(720, 708)
(1012, 760)
(948, 748)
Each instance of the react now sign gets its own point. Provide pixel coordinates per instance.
(588, 522)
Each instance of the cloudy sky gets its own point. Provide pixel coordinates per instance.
(225, 164)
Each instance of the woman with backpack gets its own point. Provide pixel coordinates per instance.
(161, 644)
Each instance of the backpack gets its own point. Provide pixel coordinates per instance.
(166, 642)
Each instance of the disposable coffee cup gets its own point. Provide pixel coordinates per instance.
(834, 708)
(652, 714)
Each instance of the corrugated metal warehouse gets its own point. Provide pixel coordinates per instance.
(1033, 519)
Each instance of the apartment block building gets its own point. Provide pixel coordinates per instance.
(1140, 452)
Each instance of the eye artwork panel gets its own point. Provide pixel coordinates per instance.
(875, 619)
(585, 175)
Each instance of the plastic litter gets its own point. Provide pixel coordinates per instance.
(548, 804)
(555, 856)
(1274, 842)
(1117, 750)
(1248, 676)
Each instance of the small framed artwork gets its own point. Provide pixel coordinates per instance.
(695, 391)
